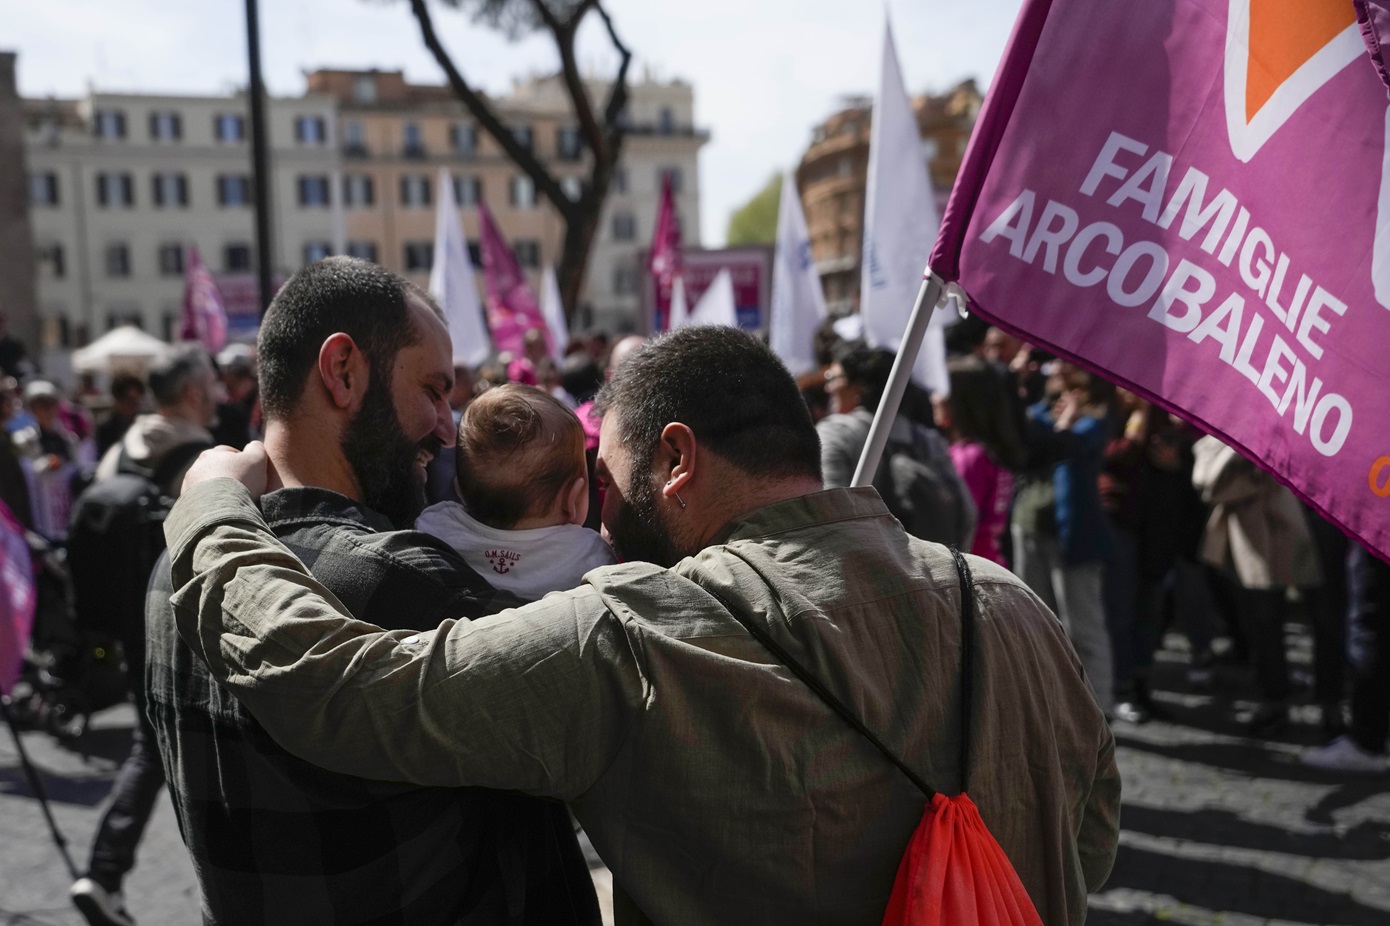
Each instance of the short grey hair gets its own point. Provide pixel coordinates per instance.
(172, 372)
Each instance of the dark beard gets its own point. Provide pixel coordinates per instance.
(639, 534)
(383, 458)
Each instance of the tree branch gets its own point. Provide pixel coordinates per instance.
(617, 93)
(478, 106)
(569, 72)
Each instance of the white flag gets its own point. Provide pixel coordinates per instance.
(553, 311)
(716, 306)
(900, 226)
(680, 309)
(798, 302)
(451, 281)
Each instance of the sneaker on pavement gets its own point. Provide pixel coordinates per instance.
(99, 906)
(1132, 711)
(1344, 755)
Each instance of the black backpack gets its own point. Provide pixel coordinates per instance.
(923, 491)
(115, 535)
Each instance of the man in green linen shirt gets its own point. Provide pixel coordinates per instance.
(717, 786)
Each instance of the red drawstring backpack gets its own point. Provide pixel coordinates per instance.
(953, 873)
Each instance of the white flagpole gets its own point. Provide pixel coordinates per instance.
(929, 296)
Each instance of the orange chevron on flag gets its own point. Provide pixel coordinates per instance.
(1284, 35)
(1278, 54)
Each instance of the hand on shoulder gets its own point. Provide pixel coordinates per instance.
(250, 467)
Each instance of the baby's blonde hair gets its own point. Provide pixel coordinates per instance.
(517, 449)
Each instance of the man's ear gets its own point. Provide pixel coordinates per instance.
(574, 500)
(343, 370)
(675, 458)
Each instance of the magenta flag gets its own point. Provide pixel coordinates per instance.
(204, 312)
(1374, 16)
(665, 261)
(17, 598)
(512, 309)
(1191, 197)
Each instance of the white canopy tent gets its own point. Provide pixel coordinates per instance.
(119, 347)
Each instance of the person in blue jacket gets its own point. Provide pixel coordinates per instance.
(1061, 536)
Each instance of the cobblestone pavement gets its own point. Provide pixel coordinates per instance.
(1218, 829)
(161, 891)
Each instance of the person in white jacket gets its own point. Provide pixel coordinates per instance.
(524, 483)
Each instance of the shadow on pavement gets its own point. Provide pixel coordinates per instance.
(1348, 795)
(85, 792)
(1222, 886)
(34, 917)
(1096, 917)
(1367, 841)
(1250, 758)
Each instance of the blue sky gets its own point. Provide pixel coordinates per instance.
(764, 71)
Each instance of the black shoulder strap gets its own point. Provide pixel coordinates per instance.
(967, 687)
(968, 629)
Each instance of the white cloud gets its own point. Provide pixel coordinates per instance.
(764, 71)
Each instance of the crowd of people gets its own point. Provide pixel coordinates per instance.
(1129, 522)
(409, 491)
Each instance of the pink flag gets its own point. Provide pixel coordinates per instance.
(204, 312)
(665, 261)
(512, 309)
(1191, 197)
(16, 598)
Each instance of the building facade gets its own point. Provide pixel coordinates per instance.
(662, 141)
(833, 175)
(397, 137)
(120, 185)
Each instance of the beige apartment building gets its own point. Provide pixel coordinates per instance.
(120, 185)
(396, 138)
(834, 172)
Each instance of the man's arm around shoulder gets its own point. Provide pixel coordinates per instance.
(536, 700)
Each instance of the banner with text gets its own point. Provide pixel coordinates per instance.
(1193, 196)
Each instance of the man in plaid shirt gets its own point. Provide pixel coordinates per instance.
(355, 373)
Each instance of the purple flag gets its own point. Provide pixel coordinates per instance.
(665, 261)
(204, 312)
(1192, 197)
(17, 598)
(1374, 18)
(512, 309)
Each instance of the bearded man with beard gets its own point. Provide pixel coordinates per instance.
(718, 786)
(355, 370)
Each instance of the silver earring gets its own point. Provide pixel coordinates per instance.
(679, 499)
